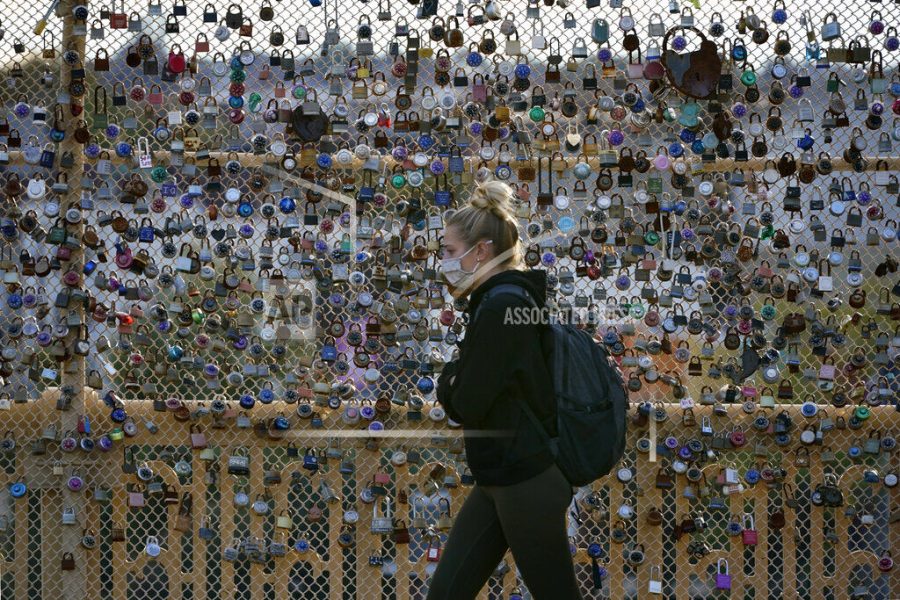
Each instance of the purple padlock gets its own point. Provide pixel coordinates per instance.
(68, 443)
(723, 579)
(75, 482)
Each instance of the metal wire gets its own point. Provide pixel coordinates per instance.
(820, 553)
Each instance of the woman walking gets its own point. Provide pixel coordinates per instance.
(520, 496)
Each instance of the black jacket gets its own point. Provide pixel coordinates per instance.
(500, 367)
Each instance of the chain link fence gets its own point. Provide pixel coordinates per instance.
(175, 255)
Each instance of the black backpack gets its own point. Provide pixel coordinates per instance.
(591, 398)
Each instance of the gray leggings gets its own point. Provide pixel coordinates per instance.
(529, 519)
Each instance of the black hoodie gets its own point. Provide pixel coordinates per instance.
(501, 366)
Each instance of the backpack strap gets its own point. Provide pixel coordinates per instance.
(505, 288)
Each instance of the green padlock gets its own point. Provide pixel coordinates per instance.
(398, 181)
(158, 174)
(748, 77)
(254, 102)
(637, 310)
(536, 114)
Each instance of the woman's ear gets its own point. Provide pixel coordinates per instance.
(485, 252)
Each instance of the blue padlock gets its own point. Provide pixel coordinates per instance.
(287, 205)
(266, 395)
(425, 385)
(14, 300)
(18, 489)
(310, 460)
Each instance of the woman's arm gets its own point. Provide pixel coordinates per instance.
(445, 380)
(493, 351)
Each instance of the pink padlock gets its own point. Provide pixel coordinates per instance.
(661, 161)
(124, 258)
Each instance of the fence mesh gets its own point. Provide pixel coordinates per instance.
(237, 274)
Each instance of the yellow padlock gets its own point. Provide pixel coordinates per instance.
(284, 521)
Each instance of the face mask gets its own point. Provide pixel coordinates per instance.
(452, 268)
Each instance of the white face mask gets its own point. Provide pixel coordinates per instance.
(452, 268)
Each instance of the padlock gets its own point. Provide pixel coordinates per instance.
(239, 462)
(310, 460)
(198, 438)
(873, 443)
(382, 524)
(748, 534)
(433, 551)
(284, 520)
(68, 515)
(723, 578)
(654, 585)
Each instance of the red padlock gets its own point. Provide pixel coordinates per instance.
(138, 93)
(748, 534)
(176, 62)
(236, 116)
(433, 553)
(737, 437)
(446, 317)
(886, 562)
(158, 204)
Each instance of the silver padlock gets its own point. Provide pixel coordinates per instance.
(654, 586)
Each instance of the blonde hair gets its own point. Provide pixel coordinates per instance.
(490, 215)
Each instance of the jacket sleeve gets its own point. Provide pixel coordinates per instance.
(443, 389)
(494, 350)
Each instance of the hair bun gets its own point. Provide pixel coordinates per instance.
(494, 196)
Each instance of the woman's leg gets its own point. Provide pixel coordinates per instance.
(474, 549)
(533, 517)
